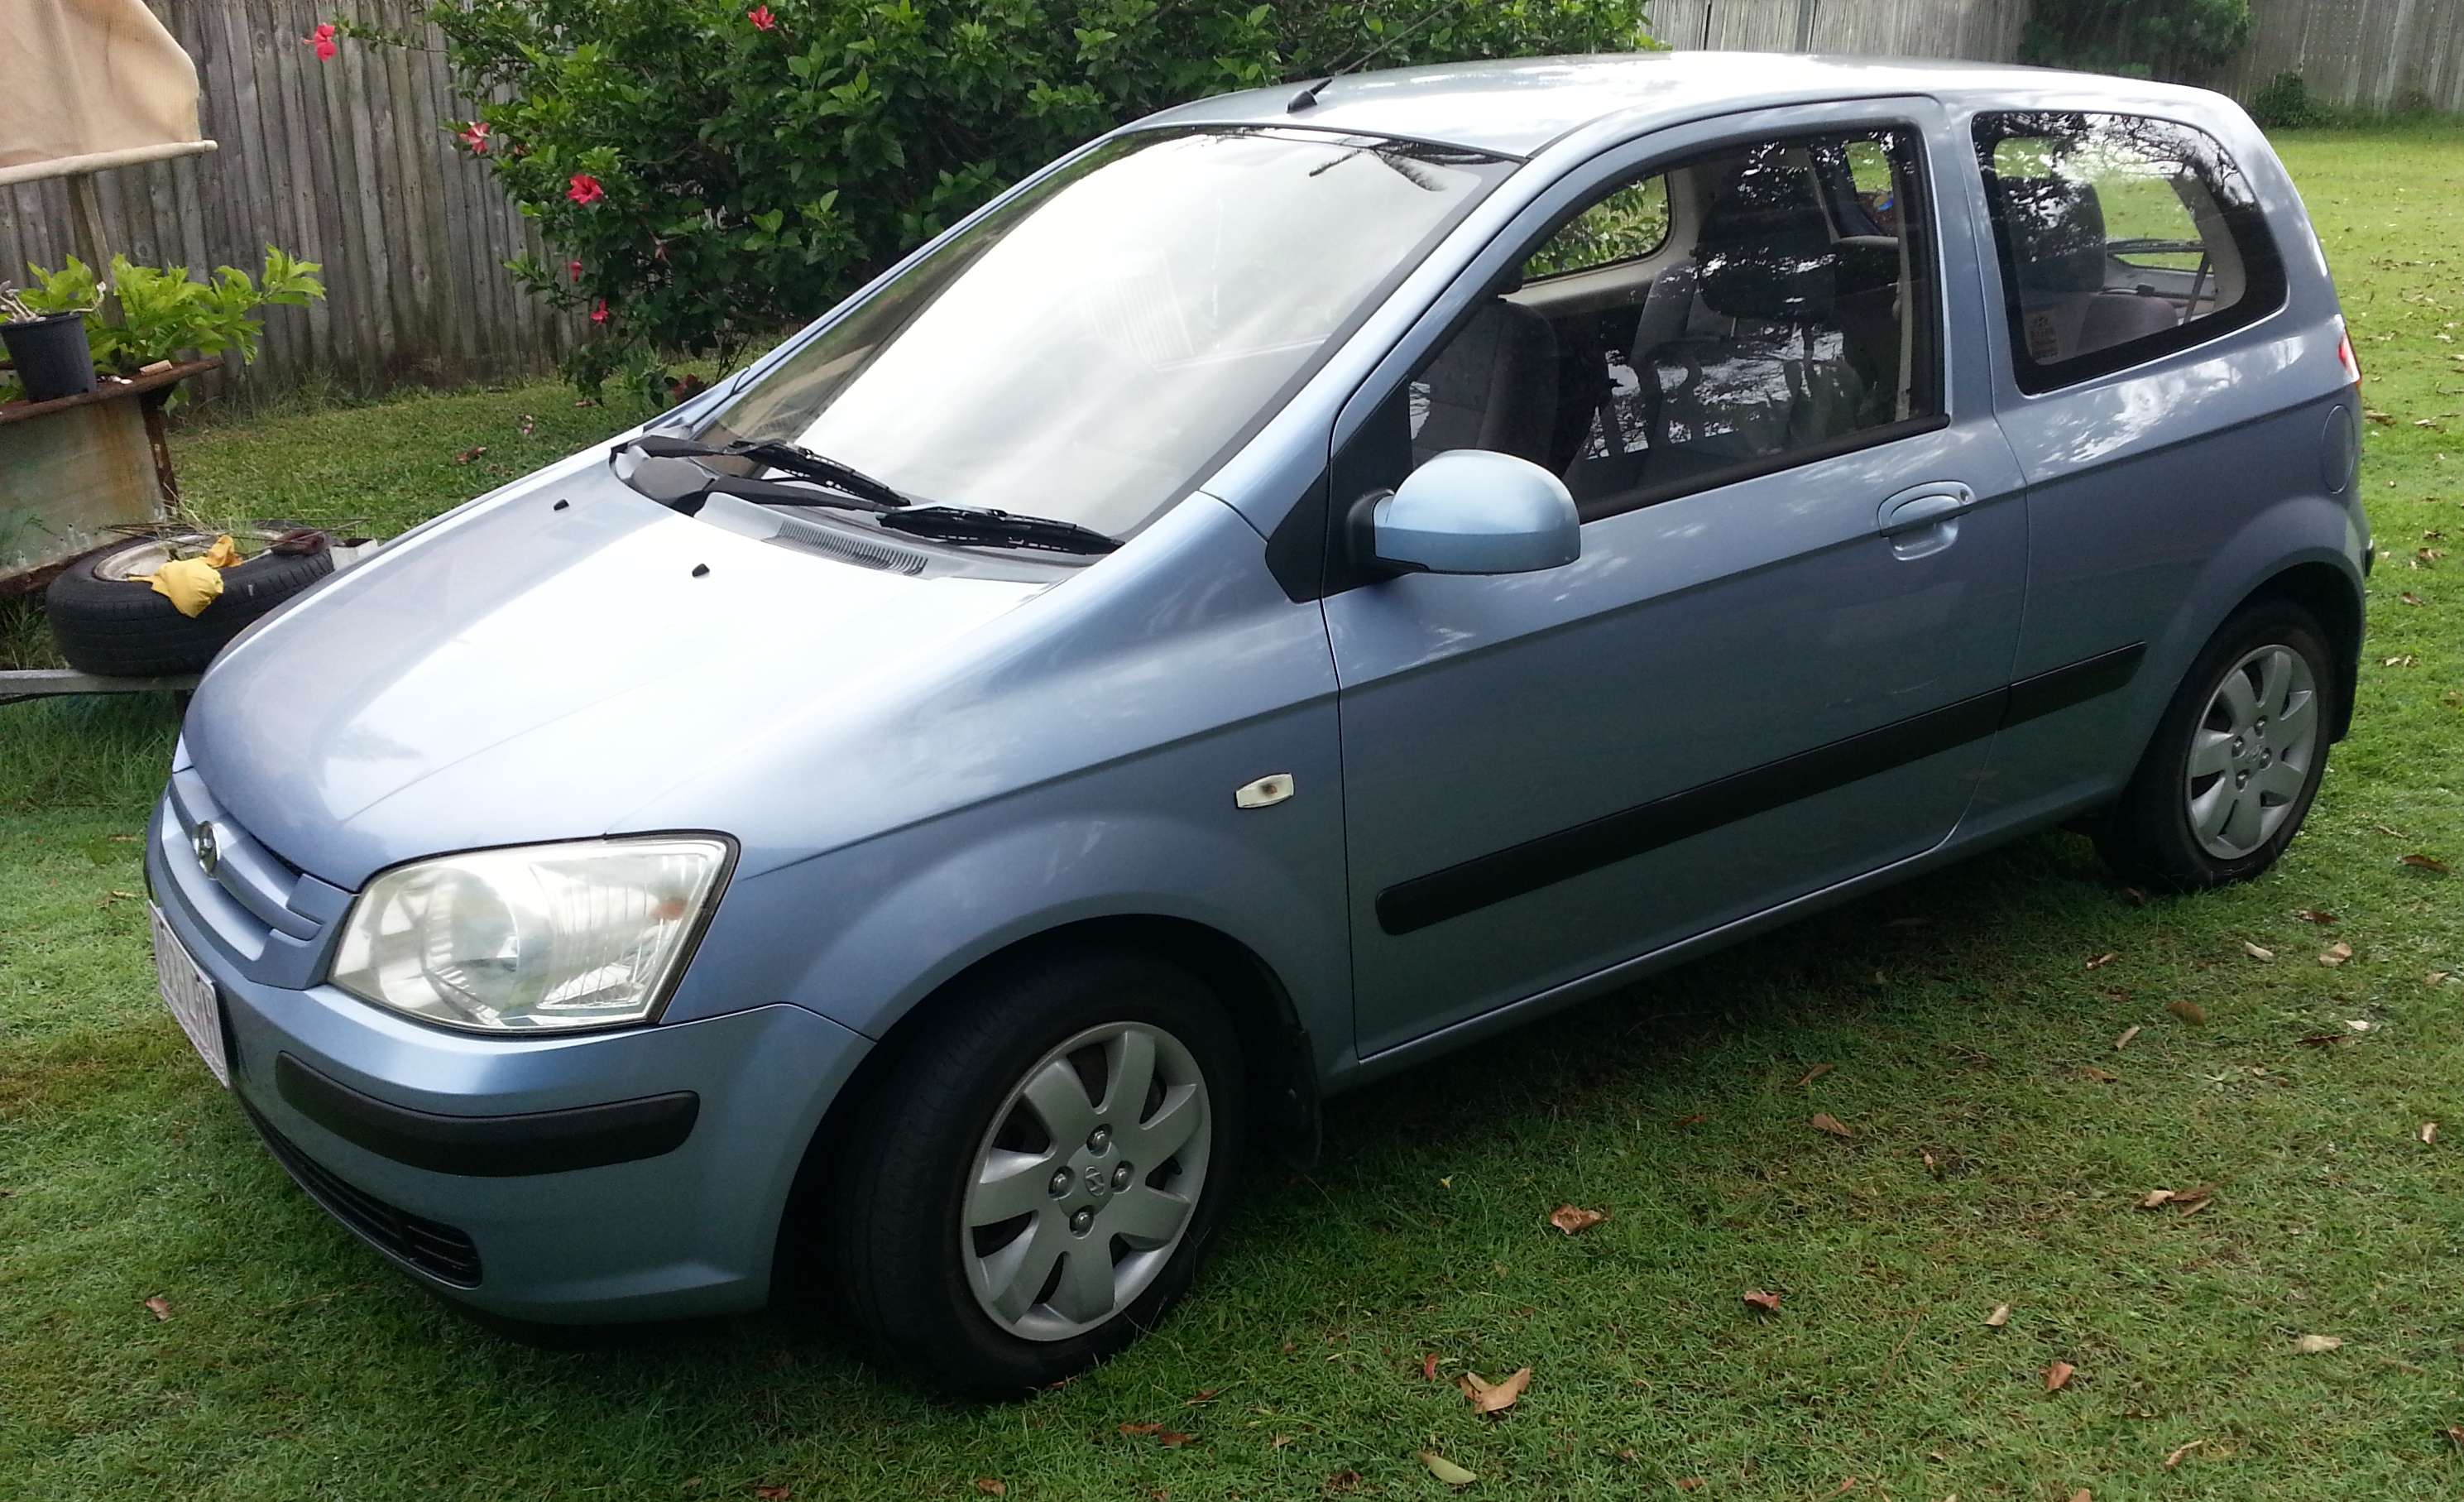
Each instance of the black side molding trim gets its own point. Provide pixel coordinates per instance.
(1485, 880)
(491, 1147)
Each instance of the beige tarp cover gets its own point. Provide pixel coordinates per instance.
(86, 84)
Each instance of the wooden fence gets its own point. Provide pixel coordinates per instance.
(343, 162)
(339, 161)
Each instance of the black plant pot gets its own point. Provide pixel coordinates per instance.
(53, 356)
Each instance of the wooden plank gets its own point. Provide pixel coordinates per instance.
(17, 683)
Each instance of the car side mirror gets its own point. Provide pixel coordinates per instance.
(1470, 511)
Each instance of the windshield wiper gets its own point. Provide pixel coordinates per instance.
(989, 529)
(779, 454)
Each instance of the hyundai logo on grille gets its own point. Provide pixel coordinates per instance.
(209, 855)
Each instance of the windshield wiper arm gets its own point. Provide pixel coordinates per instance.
(779, 454)
(991, 528)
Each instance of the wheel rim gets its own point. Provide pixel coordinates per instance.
(2251, 754)
(1085, 1182)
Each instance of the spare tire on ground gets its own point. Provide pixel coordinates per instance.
(107, 622)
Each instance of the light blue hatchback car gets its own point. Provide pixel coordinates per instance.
(1313, 578)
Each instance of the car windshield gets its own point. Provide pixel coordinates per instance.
(1091, 350)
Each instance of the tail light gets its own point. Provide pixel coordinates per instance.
(2344, 356)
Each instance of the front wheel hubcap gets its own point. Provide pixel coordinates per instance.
(2250, 753)
(1086, 1181)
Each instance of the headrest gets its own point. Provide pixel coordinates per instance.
(1765, 250)
(2056, 230)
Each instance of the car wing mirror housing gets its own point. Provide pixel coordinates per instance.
(1468, 511)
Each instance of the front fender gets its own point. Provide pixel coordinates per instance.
(863, 933)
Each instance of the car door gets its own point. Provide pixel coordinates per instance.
(1782, 654)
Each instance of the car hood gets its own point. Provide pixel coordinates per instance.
(539, 666)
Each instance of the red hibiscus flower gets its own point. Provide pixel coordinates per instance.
(573, 268)
(321, 40)
(599, 313)
(474, 135)
(584, 188)
(762, 18)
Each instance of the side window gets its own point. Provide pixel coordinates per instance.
(1726, 315)
(1627, 225)
(2121, 238)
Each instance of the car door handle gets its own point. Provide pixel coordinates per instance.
(1923, 506)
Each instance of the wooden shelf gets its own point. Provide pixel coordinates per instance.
(108, 388)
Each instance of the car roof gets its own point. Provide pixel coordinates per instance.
(1516, 106)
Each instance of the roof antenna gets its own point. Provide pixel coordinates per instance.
(1306, 99)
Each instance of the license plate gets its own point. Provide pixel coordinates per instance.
(189, 993)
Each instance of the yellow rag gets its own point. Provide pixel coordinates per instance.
(192, 584)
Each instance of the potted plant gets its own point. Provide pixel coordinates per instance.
(48, 345)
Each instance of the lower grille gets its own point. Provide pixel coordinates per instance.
(444, 1253)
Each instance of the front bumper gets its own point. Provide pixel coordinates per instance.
(688, 1230)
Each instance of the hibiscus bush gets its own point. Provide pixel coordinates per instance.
(708, 176)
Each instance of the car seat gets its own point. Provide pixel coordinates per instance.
(1494, 386)
(1779, 378)
(2055, 232)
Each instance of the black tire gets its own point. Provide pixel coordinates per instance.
(899, 1200)
(120, 627)
(2149, 837)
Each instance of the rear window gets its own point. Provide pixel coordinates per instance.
(2122, 239)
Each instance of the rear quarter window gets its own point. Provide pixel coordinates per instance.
(2122, 239)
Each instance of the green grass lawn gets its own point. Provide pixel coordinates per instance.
(2002, 1145)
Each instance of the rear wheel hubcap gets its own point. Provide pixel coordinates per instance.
(2250, 752)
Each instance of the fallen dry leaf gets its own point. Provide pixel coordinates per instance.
(992, 1486)
(1343, 1481)
(2091, 1072)
(2058, 1376)
(2307, 916)
(1172, 1441)
(2080, 1495)
(2318, 1345)
(1204, 1395)
(1689, 1483)
(1429, 1367)
(161, 1305)
(2255, 952)
(1572, 1218)
(1446, 1471)
(2321, 1040)
(2455, 1432)
(1767, 1303)
(2410, 598)
(2097, 962)
(2154, 1198)
(2189, 1011)
(1487, 1397)
(1141, 1429)
(2176, 1459)
(2000, 1317)
(2398, 833)
(2128, 1033)
(779, 1493)
(2429, 1132)
(468, 454)
(1815, 1074)
(2433, 977)
(1698, 1115)
(2357, 1023)
(1825, 1121)
(2187, 1197)
(1279, 1442)
(2424, 862)
(2335, 955)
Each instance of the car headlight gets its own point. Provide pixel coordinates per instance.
(532, 938)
